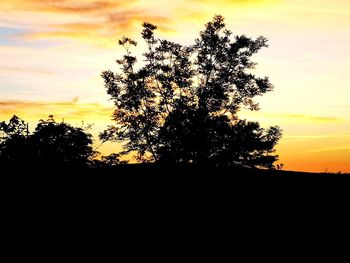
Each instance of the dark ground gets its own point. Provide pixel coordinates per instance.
(141, 186)
(161, 172)
(160, 177)
(188, 172)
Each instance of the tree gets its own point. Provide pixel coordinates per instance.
(52, 145)
(62, 145)
(182, 105)
(14, 145)
(15, 127)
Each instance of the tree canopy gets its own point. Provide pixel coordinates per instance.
(181, 104)
(52, 145)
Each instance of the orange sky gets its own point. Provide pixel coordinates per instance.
(52, 54)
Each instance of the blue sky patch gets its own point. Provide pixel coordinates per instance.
(10, 36)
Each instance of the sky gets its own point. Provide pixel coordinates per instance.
(53, 51)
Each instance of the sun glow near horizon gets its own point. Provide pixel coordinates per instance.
(52, 54)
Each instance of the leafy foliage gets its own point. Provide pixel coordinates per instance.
(51, 145)
(182, 104)
(15, 127)
(14, 146)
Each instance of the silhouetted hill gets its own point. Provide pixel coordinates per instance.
(146, 171)
(149, 184)
(189, 171)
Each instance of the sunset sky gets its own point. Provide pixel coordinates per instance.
(53, 51)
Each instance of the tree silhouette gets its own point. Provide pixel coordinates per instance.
(51, 145)
(15, 127)
(62, 144)
(181, 106)
(14, 144)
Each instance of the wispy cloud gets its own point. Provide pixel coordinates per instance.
(25, 70)
(290, 118)
(235, 2)
(336, 148)
(72, 110)
(103, 33)
(90, 21)
(310, 118)
(63, 6)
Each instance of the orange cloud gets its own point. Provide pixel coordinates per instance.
(98, 22)
(101, 22)
(63, 6)
(71, 110)
(236, 2)
(113, 24)
(286, 118)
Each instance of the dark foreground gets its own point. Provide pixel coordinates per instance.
(140, 182)
(154, 173)
(160, 172)
(188, 172)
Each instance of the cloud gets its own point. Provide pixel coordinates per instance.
(25, 70)
(100, 22)
(287, 118)
(89, 21)
(103, 33)
(63, 6)
(235, 2)
(337, 148)
(71, 110)
(310, 118)
(232, 7)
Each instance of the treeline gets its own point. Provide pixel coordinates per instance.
(54, 145)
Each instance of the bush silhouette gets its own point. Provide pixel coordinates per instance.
(181, 106)
(51, 145)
